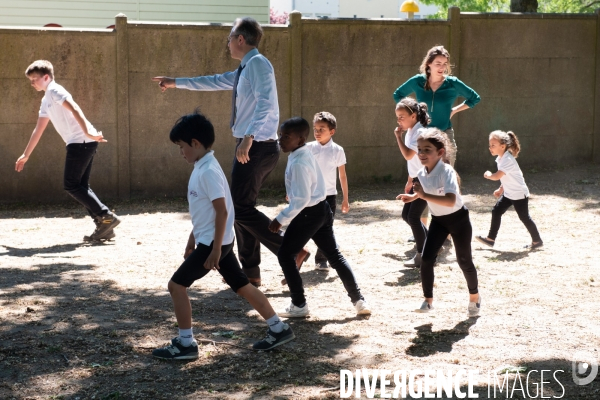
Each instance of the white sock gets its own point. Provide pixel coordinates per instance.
(275, 324)
(186, 336)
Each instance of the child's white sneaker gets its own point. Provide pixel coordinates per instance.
(362, 308)
(474, 308)
(425, 308)
(293, 311)
(415, 262)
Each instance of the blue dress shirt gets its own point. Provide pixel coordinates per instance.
(257, 104)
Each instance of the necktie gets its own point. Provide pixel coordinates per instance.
(235, 84)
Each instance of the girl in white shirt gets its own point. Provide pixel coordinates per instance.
(438, 185)
(412, 117)
(512, 191)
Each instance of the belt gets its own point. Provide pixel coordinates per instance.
(238, 140)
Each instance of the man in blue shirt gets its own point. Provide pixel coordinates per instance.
(254, 120)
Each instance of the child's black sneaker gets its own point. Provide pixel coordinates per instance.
(273, 339)
(322, 266)
(534, 245)
(485, 240)
(177, 351)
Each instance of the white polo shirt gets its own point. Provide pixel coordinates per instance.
(513, 181)
(208, 183)
(329, 156)
(304, 184)
(63, 120)
(410, 141)
(441, 180)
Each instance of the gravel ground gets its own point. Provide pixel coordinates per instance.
(79, 321)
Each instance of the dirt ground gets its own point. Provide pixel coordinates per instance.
(79, 321)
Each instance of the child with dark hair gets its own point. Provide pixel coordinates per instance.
(331, 158)
(210, 244)
(438, 185)
(412, 118)
(512, 191)
(254, 120)
(308, 216)
(82, 141)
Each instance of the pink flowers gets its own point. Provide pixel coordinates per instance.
(278, 17)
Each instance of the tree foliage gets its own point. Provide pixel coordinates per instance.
(544, 6)
(568, 6)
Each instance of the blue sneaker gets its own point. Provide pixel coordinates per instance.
(177, 351)
(273, 339)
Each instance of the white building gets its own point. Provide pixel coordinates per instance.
(101, 13)
(350, 8)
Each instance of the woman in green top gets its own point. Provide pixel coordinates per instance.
(435, 87)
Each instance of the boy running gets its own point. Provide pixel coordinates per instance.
(210, 244)
(82, 140)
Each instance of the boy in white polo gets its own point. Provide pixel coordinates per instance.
(210, 244)
(82, 140)
(331, 159)
(307, 216)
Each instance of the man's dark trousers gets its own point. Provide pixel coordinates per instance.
(252, 226)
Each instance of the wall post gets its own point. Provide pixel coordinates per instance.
(454, 19)
(295, 25)
(596, 129)
(122, 108)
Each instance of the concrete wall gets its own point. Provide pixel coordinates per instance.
(185, 51)
(537, 75)
(352, 73)
(85, 65)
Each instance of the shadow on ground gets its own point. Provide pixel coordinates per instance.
(95, 338)
(31, 251)
(429, 342)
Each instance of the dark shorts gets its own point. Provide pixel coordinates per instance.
(193, 269)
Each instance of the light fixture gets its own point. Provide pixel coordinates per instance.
(410, 7)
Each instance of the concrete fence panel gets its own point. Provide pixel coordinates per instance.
(84, 63)
(537, 75)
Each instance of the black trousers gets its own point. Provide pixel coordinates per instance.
(522, 209)
(332, 201)
(411, 214)
(193, 269)
(252, 226)
(78, 166)
(314, 223)
(458, 225)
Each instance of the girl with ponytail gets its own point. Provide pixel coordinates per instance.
(412, 118)
(438, 186)
(512, 191)
(435, 87)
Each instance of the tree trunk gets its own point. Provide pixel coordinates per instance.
(523, 6)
